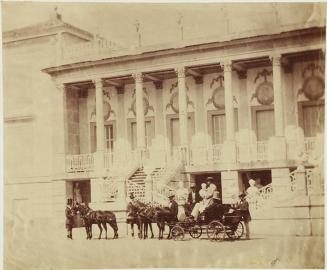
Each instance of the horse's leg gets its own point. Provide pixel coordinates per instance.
(104, 224)
(132, 229)
(170, 227)
(87, 231)
(150, 225)
(100, 228)
(114, 226)
(90, 230)
(145, 229)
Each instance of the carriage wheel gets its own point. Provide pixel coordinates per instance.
(216, 231)
(237, 231)
(195, 231)
(177, 233)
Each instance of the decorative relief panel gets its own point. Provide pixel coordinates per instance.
(107, 109)
(218, 93)
(173, 101)
(264, 92)
(146, 105)
(313, 86)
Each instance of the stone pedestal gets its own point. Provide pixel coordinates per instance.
(300, 185)
(281, 183)
(229, 186)
(276, 149)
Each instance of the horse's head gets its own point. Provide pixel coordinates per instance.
(82, 209)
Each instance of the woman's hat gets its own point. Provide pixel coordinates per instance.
(215, 195)
(131, 196)
(251, 182)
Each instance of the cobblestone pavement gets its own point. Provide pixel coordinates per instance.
(42, 249)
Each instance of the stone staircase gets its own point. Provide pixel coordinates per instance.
(136, 184)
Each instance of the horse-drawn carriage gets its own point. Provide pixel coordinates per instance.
(218, 221)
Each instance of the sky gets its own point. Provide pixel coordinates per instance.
(158, 22)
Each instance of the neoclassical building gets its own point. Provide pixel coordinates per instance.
(143, 119)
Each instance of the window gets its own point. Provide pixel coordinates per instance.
(313, 119)
(174, 130)
(109, 137)
(149, 133)
(217, 125)
(265, 124)
(218, 128)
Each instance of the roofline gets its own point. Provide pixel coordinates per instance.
(187, 48)
(19, 34)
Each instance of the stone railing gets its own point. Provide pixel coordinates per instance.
(205, 154)
(80, 163)
(108, 159)
(309, 145)
(262, 150)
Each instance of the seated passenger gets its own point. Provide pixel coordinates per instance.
(207, 205)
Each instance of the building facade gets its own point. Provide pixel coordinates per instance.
(143, 119)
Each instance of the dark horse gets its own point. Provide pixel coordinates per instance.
(164, 216)
(141, 214)
(91, 217)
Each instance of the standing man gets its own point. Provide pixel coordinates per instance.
(243, 206)
(192, 197)
(69, 218)
(173, 207)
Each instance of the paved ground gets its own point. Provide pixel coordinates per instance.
(42, 249)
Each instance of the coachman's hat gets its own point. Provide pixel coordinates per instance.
(69, 201)
(171, 196)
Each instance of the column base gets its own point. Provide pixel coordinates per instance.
(276, 149)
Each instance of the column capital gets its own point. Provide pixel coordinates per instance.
(97, 82)
(275, 59)
(138, 77)
(180, 71)
(226, 65)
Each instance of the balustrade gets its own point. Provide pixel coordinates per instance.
(80, 163)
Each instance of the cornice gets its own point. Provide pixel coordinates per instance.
(43, 29)
(145, 54)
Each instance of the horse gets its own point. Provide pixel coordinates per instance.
(141, 214)
(98, 217)
(163, 216)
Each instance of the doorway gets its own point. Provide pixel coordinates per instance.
(202, 178)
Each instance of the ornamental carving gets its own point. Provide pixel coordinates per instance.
(264, 92)
(173, 101)
(107, 110)
(146, 104)
(313, 85)
(218, 94)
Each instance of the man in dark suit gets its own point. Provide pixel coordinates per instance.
(193, 197)
(173, 207)
(69, 218)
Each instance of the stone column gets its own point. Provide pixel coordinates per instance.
(99, 124)
(182, 106)
(278, 96)
(200, 119)
(60, 142)
(277, 144)
(229, 145)
(140, 119)
(121, 123)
